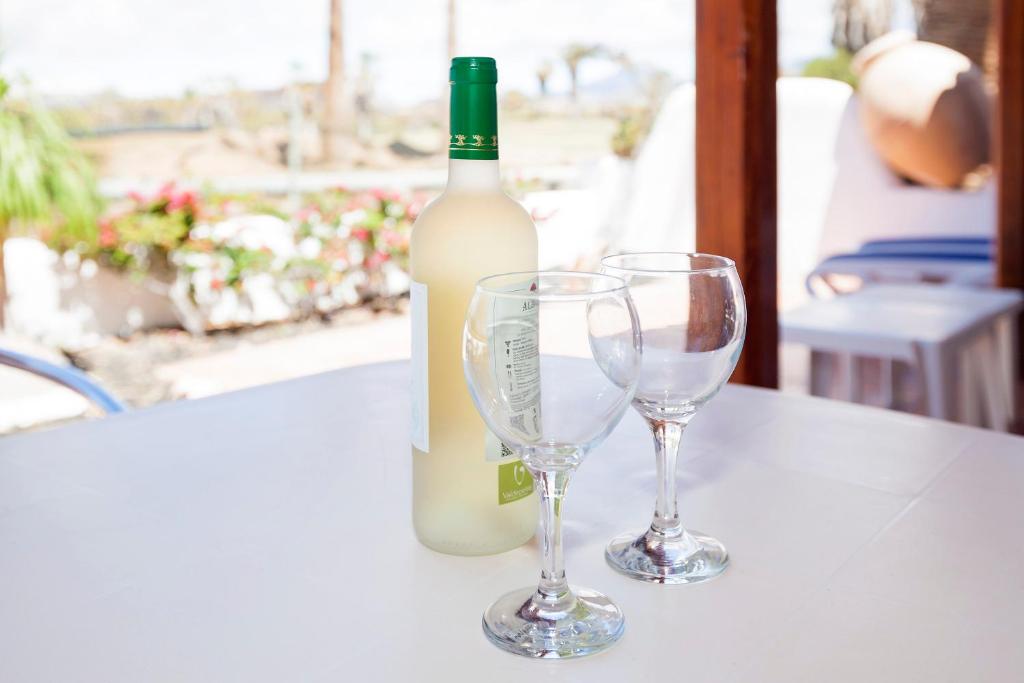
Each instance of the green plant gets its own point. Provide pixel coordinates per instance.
(835, 66)
(45, 182)
(142, 239)
(631, 131)
(340, 248)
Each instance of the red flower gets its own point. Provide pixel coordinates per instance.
(216, 284)
(361, 234)
(179, 200)
(108, 235)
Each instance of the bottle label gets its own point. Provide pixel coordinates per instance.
(514, 482)
(420, 387)
(514, 344)
(516, 364)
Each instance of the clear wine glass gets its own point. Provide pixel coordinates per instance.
(693, 317)
(551, 409)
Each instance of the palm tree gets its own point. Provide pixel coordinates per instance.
(451, 30)
(442, 110)
(963, 26)
(855, 23)
(543, 74)
(573, 55)
(44, 180)
(334, 86)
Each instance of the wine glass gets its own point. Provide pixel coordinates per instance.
(551, 409)
(693, 317)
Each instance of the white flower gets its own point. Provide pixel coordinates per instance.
(310, 248)
(71, 260)
(201, 231)
(89, 269)
(356, 252)
(354, 217)
(255, 232)
(198, 260)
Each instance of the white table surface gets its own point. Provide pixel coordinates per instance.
(878, 316)
(265, 535)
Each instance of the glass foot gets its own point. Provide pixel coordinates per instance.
(583, 623)
(690, 558)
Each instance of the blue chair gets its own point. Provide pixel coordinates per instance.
(67, 376)
(955, 260)
(977, 248)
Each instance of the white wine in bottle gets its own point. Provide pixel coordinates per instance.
(471, 495)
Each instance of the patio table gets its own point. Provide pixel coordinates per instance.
(265, 535)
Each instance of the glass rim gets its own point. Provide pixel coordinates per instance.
(724, 263)
(616, 284)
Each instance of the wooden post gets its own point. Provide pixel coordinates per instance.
(1009, 155)
(737, 66)
(334, 86)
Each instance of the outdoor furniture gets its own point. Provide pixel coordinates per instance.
(961, 340)
(67, 376)
(951, 260)
(265, 535)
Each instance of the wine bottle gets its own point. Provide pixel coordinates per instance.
(471, 494)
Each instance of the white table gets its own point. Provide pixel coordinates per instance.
(265, 536)
(957, 337)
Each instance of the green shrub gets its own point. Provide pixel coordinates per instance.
(835, 66)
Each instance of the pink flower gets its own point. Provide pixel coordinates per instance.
(376, 259)
(393, 239)
(232, 207)
(413, 209)
(180, 200)
(358, 201)
(108, 235)
(216, 284)
(166, 190)
(361, 234)
(136, 197)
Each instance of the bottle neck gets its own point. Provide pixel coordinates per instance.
(473, 140)
(473, 175)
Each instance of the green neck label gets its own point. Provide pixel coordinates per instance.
(474, 109)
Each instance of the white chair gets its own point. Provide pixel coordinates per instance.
(961, 340)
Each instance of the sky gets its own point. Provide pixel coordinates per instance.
(145, 48)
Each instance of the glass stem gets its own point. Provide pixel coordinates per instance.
(553, 590)
(666, 444)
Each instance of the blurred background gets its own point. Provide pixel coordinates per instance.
(197, 197)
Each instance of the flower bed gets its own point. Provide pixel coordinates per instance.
(234, 260)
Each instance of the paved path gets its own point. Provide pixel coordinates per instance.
(383, 338)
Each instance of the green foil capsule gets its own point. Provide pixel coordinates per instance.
(474, 109)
